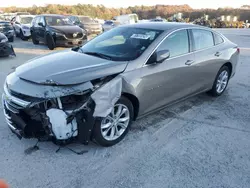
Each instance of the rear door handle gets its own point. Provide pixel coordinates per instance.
(217, 54)
(189, 62)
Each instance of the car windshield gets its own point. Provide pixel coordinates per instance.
(122, 43)
(57, 21)
(85, 19)
(26, 20)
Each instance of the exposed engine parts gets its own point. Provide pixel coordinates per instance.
(69, 115)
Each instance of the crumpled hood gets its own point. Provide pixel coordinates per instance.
(68, 67)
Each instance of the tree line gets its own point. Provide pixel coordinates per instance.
(144, 12)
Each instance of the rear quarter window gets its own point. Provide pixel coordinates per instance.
(217, 39)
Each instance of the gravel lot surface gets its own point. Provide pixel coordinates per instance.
(201, 142)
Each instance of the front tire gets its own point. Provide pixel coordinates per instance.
(221, 82)
(50, 42)
(112, 129)
(33, 37)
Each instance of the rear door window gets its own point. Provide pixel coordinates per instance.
(202, 39)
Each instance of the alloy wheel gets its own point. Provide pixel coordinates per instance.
(222, 81)
(116, 123)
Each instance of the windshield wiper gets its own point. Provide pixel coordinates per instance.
(104, 56)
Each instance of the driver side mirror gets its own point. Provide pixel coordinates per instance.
(159, 57)
(41, 24)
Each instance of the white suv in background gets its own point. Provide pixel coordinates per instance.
(21, 24)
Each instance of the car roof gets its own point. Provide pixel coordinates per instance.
(163, 26)
(52, 15)
(28, 15)
(82, 16)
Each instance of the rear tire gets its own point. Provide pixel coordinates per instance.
(33, 37)
(50, 42)
(221, 82)
(99, 128)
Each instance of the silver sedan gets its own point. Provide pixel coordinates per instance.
(95, 91)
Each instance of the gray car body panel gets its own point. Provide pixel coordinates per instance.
(154, 85)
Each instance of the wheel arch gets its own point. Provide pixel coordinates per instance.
(135, 102)
(49, 33)
(230, 66)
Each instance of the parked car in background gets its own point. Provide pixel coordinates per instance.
(56, 30)
(7, 16)
(6, 49)
(87, 23)
(109, 24)
(21, 13)
(22, 24)
(127, 19)
(100, 21)
(95, 91)
(7, 29)
(158, 20)
(143, 21)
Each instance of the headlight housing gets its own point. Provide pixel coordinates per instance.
(4, 40)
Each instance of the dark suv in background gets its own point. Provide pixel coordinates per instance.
(87, 23)
(56, 30)
(7, 29)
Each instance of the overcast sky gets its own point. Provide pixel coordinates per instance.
(126, 3)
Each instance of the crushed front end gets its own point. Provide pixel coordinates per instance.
(50, 112)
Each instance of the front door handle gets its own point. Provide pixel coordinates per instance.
(189, 62)
(217, 54)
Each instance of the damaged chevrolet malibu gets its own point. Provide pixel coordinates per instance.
(95, 91)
